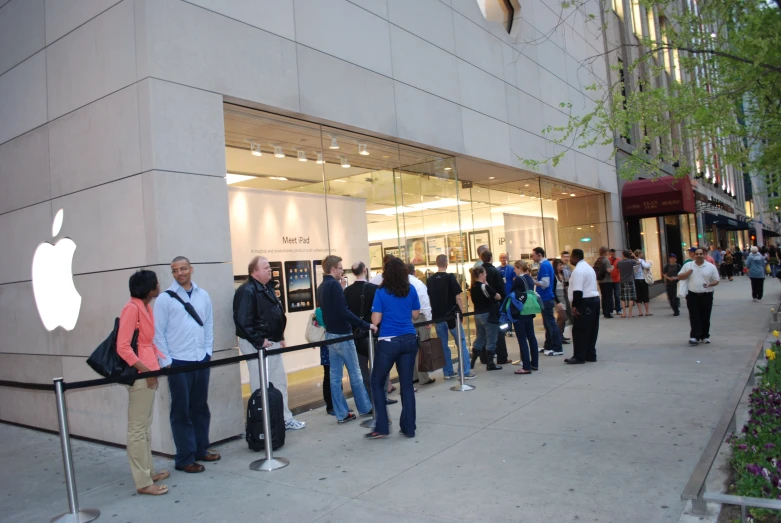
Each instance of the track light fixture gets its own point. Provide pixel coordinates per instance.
(320, 160)
(255, 149)
(345, 162)
(362, 149)
(278, 152)
(302, 156)
(334, 146)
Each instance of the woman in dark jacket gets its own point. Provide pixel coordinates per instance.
(486, 303)
(524, 327)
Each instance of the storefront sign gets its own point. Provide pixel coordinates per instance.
(666, 195)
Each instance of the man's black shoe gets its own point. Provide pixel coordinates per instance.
(609, 317)
(574, 361)
(676, 313)
(591, 360)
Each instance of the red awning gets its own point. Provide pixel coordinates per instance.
(657, 197)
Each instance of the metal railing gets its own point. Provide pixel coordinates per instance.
(695, 488)
(269, 463)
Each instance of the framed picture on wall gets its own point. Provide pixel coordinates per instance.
(375, 256)
(435, 245)
(416, 247)
(395, 251)
(476, 239)
(456, 248)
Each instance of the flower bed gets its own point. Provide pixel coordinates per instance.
(756, 454)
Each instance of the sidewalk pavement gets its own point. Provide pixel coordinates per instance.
(613, 441)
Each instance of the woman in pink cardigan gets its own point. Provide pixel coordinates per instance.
(137, 314)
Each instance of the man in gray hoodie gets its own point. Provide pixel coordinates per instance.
(756, 272)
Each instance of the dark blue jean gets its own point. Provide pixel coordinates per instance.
(401, 351)
(190, 416)
(552, 334)
(527, 340)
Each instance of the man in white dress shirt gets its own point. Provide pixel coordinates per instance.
(702, 277)
(184, 334)
(425, 315)
(584, 297)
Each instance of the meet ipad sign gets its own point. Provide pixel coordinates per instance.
(56, 297)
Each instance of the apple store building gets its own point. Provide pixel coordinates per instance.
(349, 131)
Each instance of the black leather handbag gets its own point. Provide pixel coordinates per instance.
(106, 361)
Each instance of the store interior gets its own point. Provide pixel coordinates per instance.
(392, 198)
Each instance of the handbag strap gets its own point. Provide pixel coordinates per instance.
(190, 310)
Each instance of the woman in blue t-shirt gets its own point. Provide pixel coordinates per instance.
(395, 305)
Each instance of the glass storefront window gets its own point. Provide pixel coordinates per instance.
(653, 253)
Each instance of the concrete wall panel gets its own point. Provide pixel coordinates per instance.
(428, 19)
(96, 144)
(274, 16)
(424, 118)
(24, 170)
(93, 61)
(485, 137)
(20, 232)
(423, 65)
(21, 32)
(63, 16)
(482, 92)
(23, 98)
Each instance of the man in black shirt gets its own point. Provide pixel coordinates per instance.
(446, 297)
(360, 296)
(494, 278)
(670, 274)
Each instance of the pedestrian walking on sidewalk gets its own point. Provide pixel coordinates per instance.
(615, 275)
(584, 296)
(184, 334)
(670, 274)
(702, 277)
(604, 269)
(727, 265)
(756, 273)
(641, 286)
(626, 269)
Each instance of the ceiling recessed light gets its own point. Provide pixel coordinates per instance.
(526, 185)
(448, 168)
(362, 150)
(302, 156)
(320, 160)
(278, 152)
(333, 145)
(579, 228)
(236, 178)
(492, 177)
(278, 178)
(345, 162)
(550, 200)
(340, 181)
(255, 149)
(564, 193)
(572, 194)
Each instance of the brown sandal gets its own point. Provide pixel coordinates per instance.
(153, 490)
(522, 371)
(160, 476)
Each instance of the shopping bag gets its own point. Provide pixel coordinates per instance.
(431, 356)
(314, 331)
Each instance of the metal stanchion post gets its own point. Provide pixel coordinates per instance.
(75, 515)
(463, 386)
(268, 463)
(371, 423)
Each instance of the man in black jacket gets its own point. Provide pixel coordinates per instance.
(496, 281)
(360, 296)
(260, 322)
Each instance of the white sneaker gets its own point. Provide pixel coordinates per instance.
(706, 340)
(541, 349)
(555, 353)
(547, 352)
(693, 341)
(294, 424)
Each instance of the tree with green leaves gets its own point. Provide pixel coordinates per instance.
(700, 84)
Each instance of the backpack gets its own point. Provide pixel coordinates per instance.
(599, 268)
(510, 310)
(254, 427)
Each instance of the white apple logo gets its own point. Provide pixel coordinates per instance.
(57, 299)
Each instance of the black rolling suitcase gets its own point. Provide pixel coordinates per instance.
(254, 428)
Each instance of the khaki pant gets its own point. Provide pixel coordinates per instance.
(139, 433)
(276, 373)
